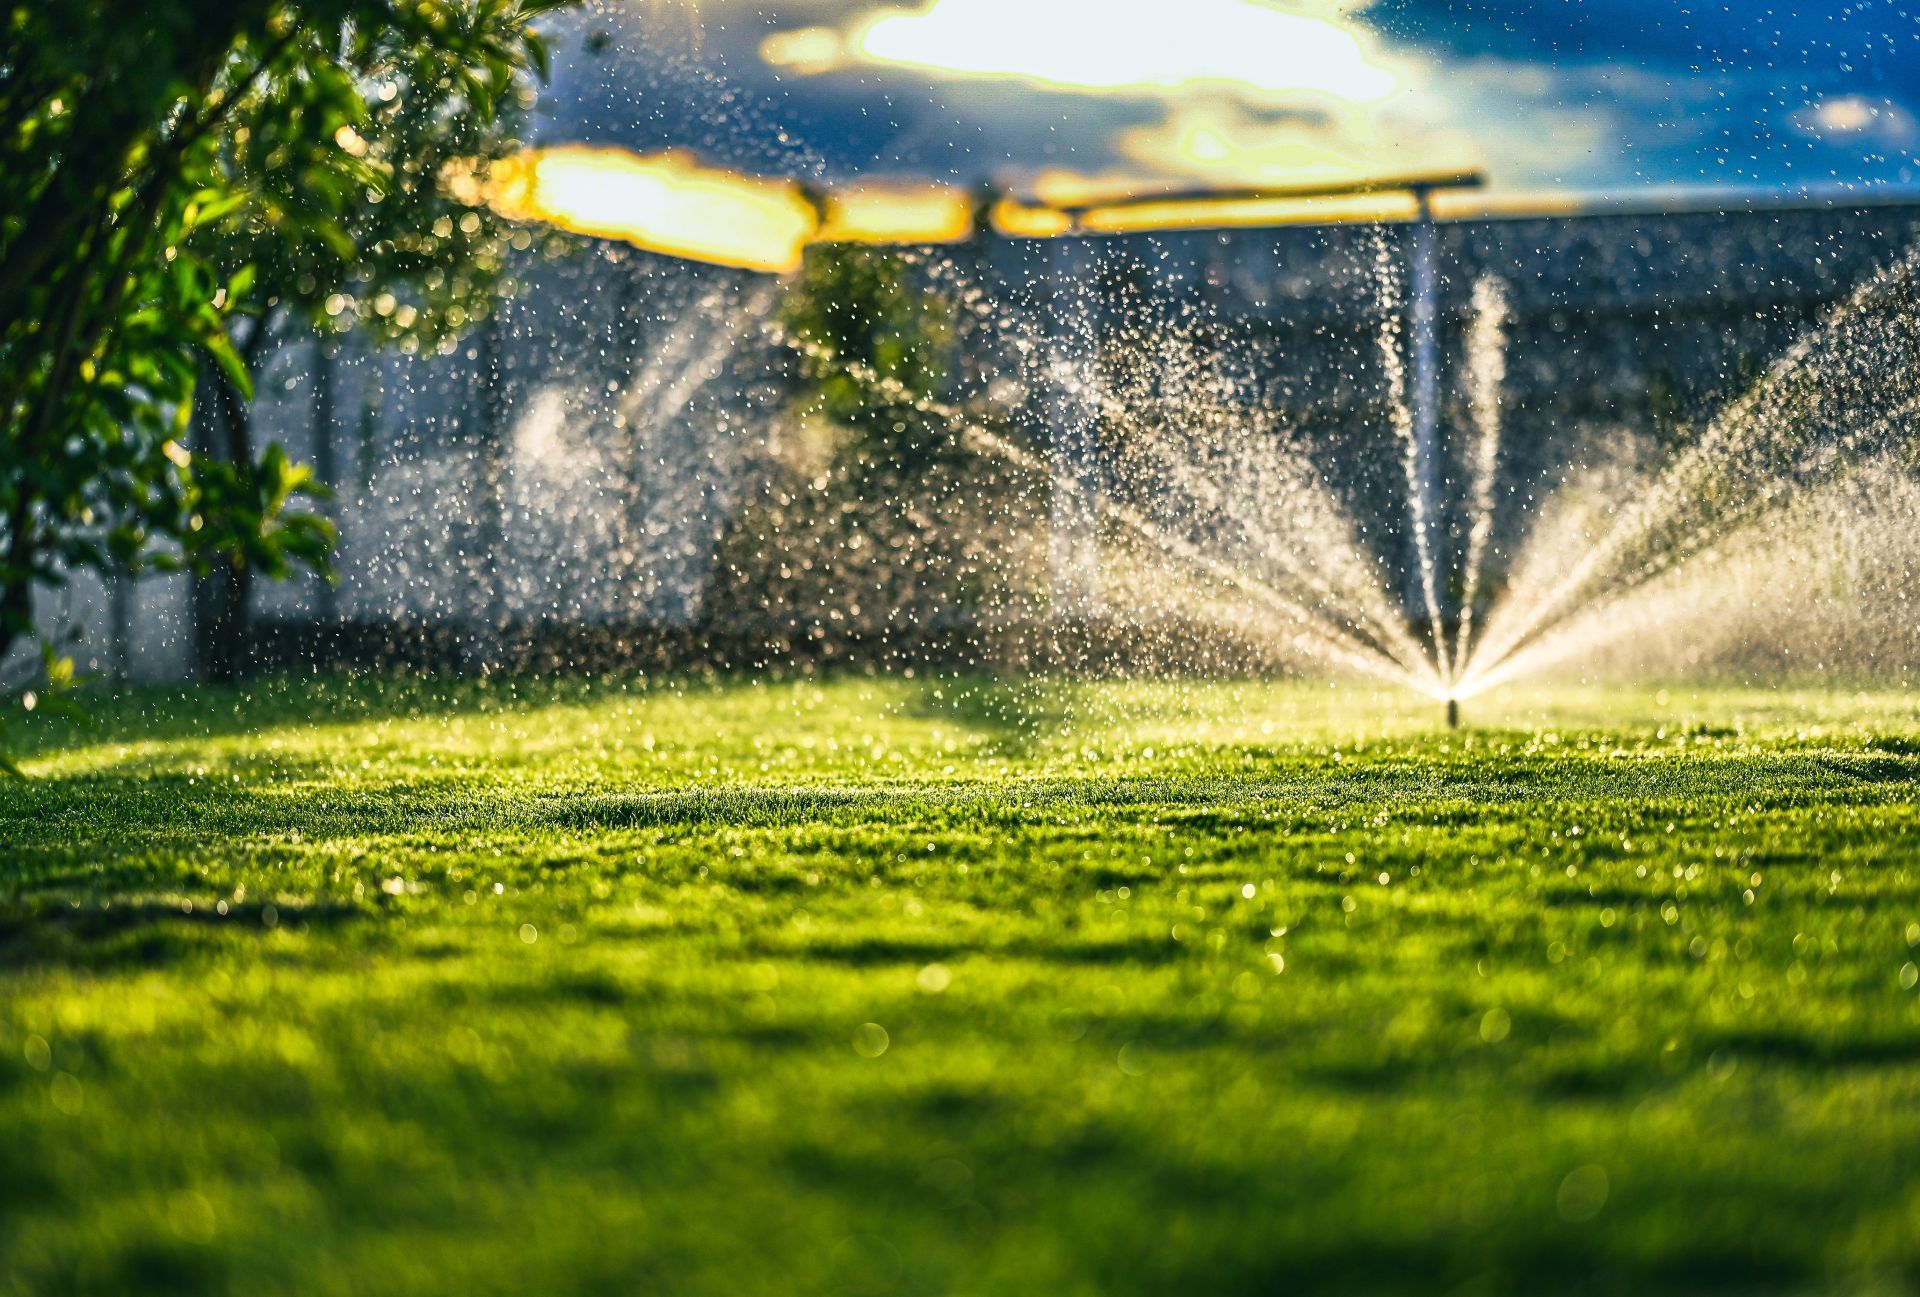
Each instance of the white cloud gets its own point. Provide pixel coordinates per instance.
(1267, 49)
(1856, 117)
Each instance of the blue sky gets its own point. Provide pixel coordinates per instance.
(1592, 96)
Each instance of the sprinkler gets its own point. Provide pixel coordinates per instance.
(1453, 713)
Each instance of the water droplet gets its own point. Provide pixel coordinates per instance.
(1583, 1193)
(1495, 1024)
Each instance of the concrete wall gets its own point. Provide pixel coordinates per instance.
(577, 465)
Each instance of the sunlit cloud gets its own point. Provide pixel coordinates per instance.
(664, 202)
(1856, 117)
(1608, 98)
(917, 214)
(1105, 106)
(1259, 48)
(672, 203)
(1222, 143)
(1249, 93)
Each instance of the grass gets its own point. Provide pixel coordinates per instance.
(961, 987)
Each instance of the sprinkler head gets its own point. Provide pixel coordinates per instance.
(1453, 713)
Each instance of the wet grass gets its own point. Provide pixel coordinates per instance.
(961, 986)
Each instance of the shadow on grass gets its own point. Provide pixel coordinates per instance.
(1818, 1050)
(1447, 797)
(872, 952)
(129, 814)
(1016, 717)
(1897, 767)
(144, 933)
(200, 712)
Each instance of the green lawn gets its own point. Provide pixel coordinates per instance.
(961, 987)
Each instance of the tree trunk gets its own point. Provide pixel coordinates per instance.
(222, 639)
(326, 464)
(486, 650)
(16, 597)
(223, 598)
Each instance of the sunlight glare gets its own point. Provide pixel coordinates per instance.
(1253, 46)
(898, 213)
(663, 202)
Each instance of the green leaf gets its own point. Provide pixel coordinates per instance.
(241, 284)
(217, 209)
(59, 670)
(219, 346)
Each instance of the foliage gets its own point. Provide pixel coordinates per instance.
(366, 209)
(565, 987)
(877, 520)
(874, 343)
(159, 156)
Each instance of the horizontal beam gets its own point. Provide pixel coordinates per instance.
(1419, 184)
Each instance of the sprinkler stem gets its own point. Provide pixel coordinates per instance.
(1453, 713)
